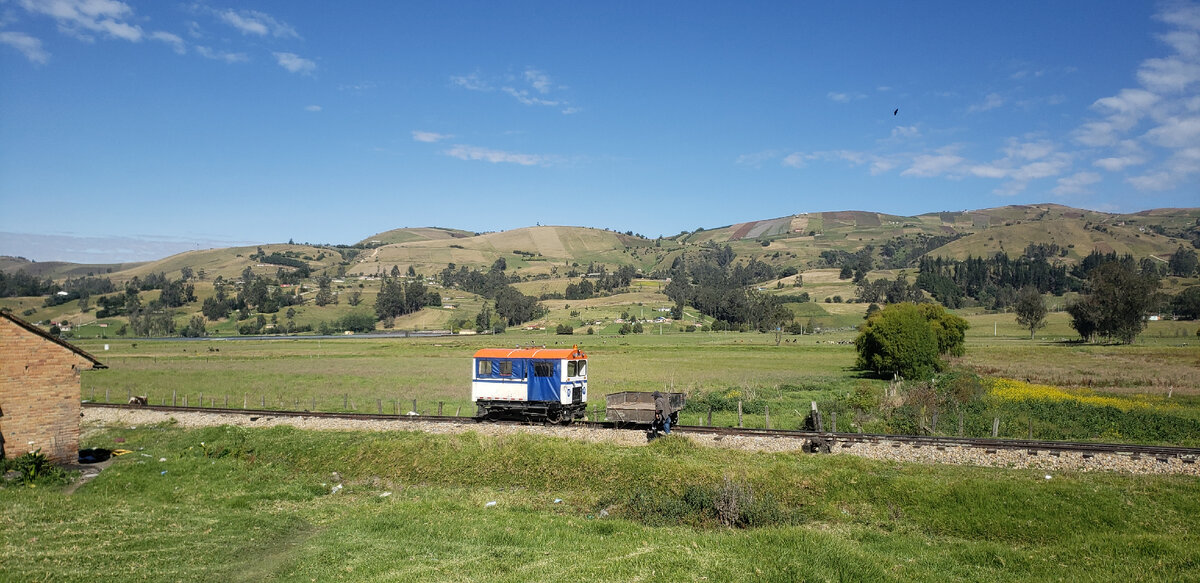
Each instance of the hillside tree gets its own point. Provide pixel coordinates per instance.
(1031, 309)
(1183, 262)
(1117, 300)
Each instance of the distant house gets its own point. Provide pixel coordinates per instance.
(39, 390)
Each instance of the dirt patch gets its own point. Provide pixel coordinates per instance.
(865, 219)
(741, 231)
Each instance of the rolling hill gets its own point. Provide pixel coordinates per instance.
(797, 240)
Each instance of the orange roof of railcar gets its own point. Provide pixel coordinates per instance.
(547, 353)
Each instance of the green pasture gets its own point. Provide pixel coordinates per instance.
(236, 504)
(716, 369)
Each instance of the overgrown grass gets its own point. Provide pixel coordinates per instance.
(253, 505)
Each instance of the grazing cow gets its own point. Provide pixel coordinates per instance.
(135, 400)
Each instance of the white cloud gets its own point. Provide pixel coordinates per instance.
(1170, 75)
(82, 18)
(357, 86)
(797, 160)
(228, 57)
(844, 97)
(881, 165)
(756, 159)
(929, 165)
(1166, 98)
(538, 80)
(1176, 133)
(1076, 183)
(905, 132)
(1181, 15)
(1028, 150)
(173, 40)
(312, 108)
(470, 82)
(1118, 163)
(992, 101)
(988, 171)
(295, 63)
(429, 137)
(537, 90)
(1096, 134)
(1177, 169)
(29, 46)
(524, 97)
(257, 23)
(464, 152)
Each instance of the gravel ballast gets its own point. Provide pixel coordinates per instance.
(1004, 458)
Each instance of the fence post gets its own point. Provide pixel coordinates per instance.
(314, 403)
(767, 415)
(1031, 428)
(458, 411)
(833, 420)
(739, 412)
(201, 401)
(710, 416)
(245, 400)
(185, 400)
(995, 427)
(440, 403)
(264, 401)
(960, 423)
(379, 406)
(345, 397)
(226, 400)
(933, 424)
(106, 395)
(414, 409)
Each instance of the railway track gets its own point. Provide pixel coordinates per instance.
(823, 439)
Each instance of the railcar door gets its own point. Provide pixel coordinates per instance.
(543, 383)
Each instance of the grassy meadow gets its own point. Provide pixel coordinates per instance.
(237, 504)
(716, 369)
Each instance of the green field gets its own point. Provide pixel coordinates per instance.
(234, 504)
(716, 370)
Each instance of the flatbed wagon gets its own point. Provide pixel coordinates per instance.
(637, 408)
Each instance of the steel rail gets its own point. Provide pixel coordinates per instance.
(1187, 454)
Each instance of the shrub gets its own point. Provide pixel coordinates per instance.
(35, 469)
(908, 339)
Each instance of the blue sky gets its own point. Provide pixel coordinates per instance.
(202, 123)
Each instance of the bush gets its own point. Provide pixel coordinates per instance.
(564, 330)
(35, 469)
(733, 504)
(908, 339)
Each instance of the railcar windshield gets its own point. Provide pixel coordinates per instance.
(483, 368)
(577, 368)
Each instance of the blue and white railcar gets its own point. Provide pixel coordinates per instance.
(530, 383)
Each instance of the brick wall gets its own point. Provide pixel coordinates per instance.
(39, 394)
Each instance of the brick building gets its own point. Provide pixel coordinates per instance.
(39, 390)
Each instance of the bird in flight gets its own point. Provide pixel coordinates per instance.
(896, 111)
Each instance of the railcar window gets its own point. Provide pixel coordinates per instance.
(506, 368)
(576, 368)
(485, 368)
(542, 369)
